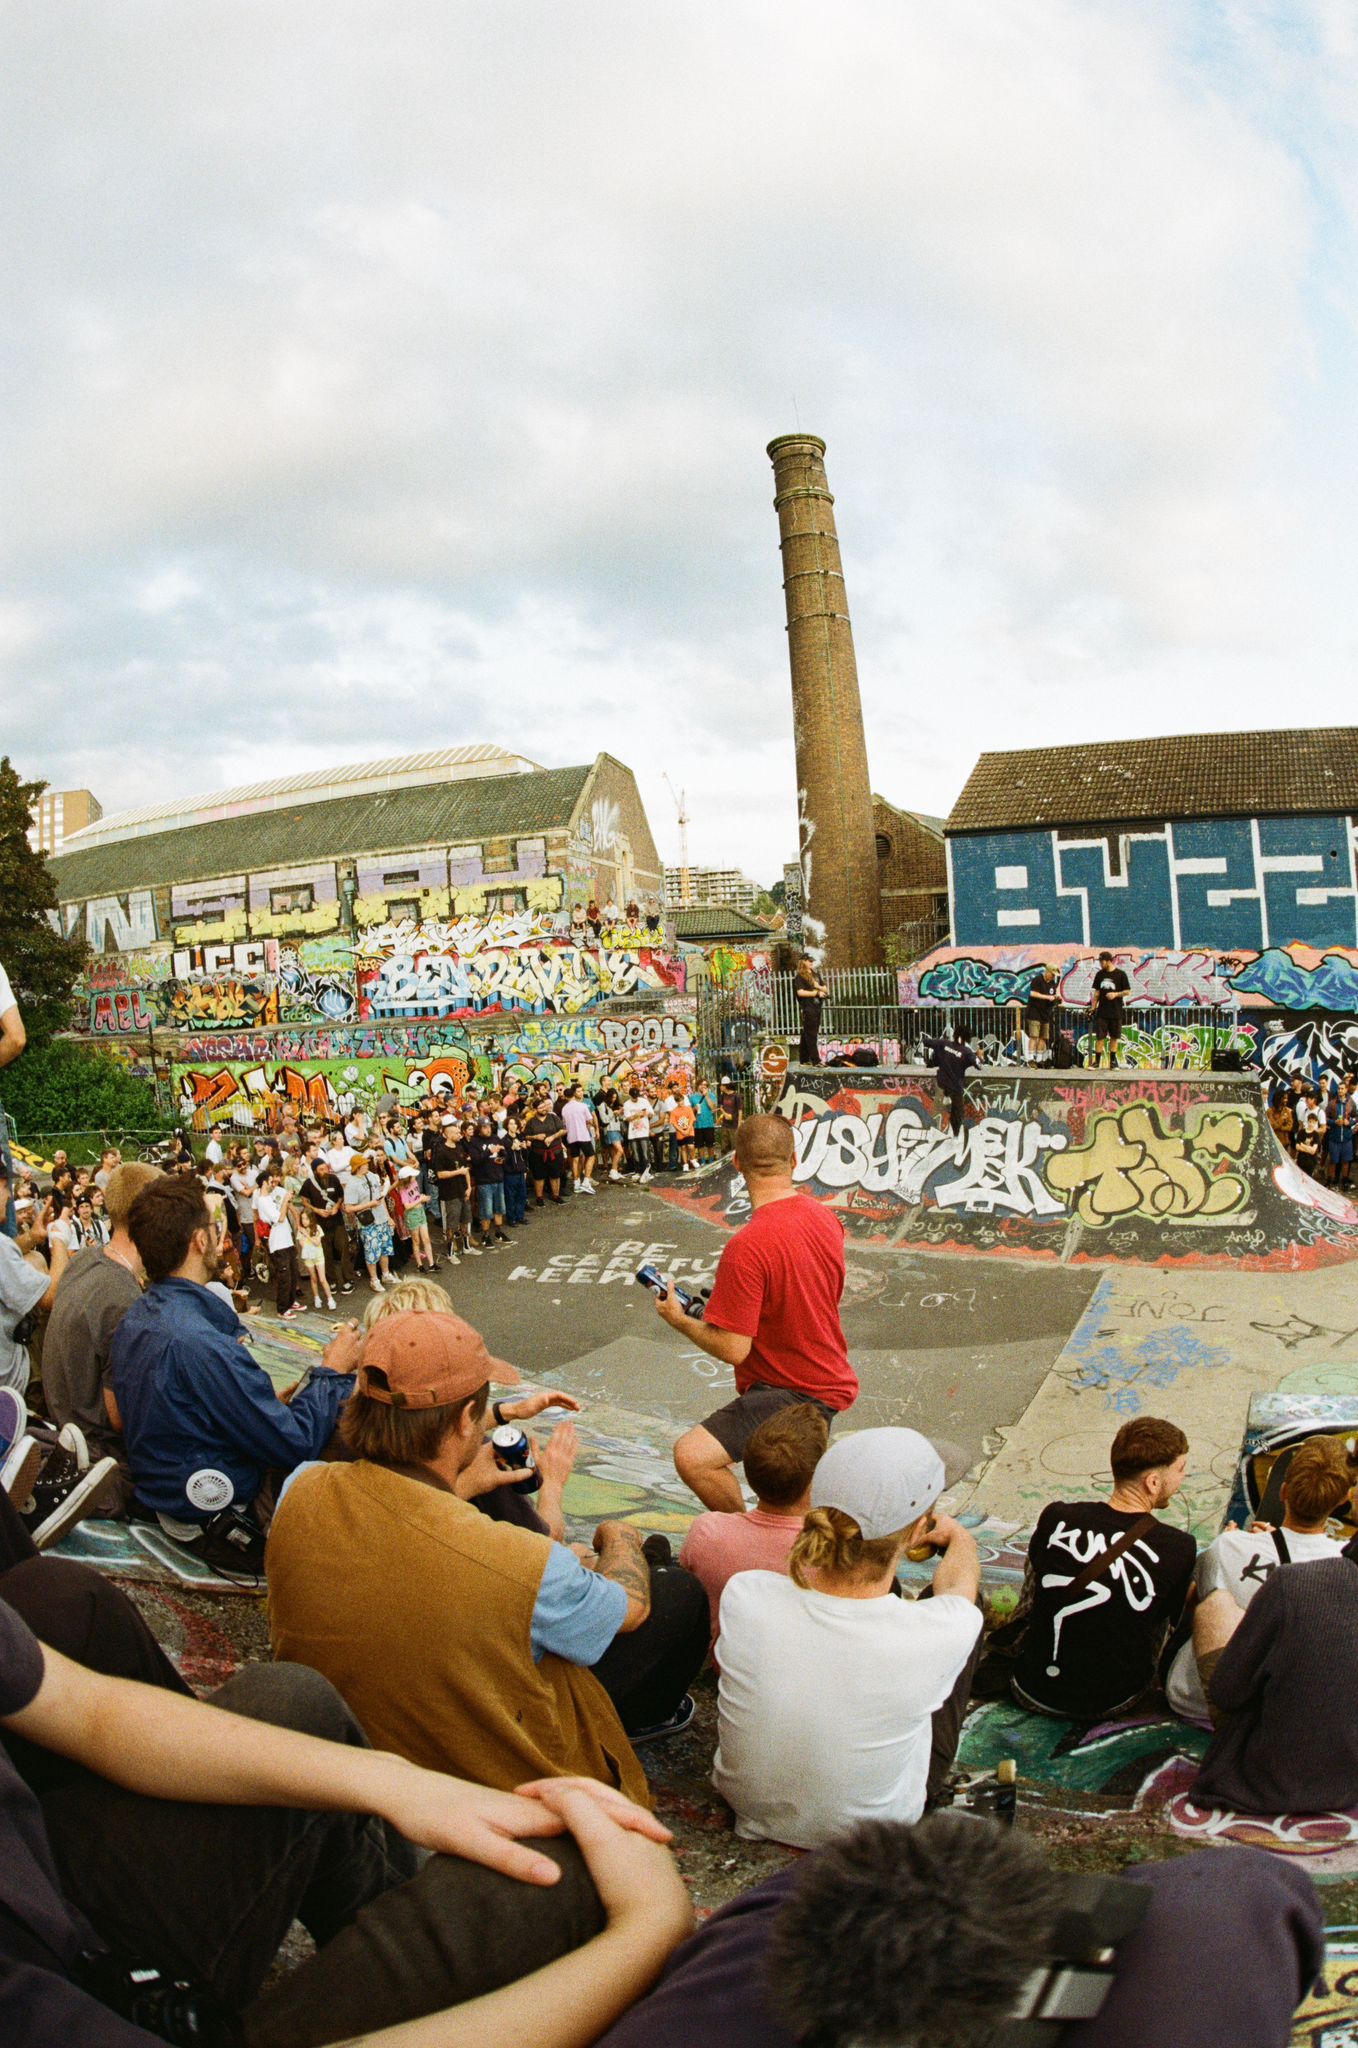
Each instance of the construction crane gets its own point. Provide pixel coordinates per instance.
(681, 803)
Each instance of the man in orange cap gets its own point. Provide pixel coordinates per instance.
(461, 1642)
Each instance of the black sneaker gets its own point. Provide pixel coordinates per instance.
(64, 1492)
(675, 1725)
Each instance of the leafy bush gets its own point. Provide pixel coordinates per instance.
(63, 1086)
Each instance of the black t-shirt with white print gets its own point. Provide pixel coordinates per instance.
(1110, 986)
(1080, 1658)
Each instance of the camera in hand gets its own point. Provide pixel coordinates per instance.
(187, 2015)
(652, 1277)
(1071, 1984)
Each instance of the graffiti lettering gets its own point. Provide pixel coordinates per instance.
(557, 978)
(1130, 1165)
(993, 1163)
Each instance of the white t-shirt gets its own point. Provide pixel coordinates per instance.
(823, 1704)
(353, 1134)
(338, 1156)
(7, 1001)
(269, 1210)
(213, 1152)
(1237, 1563)
(637, 1117)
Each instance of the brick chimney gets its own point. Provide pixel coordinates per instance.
(838, 843)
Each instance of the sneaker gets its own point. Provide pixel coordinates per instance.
(615, 1175)
(72, 1438)
(377, 1287)
(346, 1287)
(452, 1259)
(19, 1468)
(587, 1187)
(63, 1494)
(330, 1301)
(647, 1175)
(675, 1725)
(13, 1421)
(471, 1251)
(289, 1315)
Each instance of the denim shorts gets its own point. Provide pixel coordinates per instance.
(490, 1199)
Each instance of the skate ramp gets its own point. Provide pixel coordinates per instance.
(1151, 1169)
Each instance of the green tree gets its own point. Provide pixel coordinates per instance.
(65, 1086)
(41, 964)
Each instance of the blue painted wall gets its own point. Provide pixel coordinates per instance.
(1215, 883)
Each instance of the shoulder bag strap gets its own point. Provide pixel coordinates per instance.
(1280, 1545)
(1097, 1566)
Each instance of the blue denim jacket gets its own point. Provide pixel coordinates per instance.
(201, 1419)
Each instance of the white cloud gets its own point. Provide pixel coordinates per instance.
(411, 376)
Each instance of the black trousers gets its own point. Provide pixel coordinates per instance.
(808, 1046)
(647, 1673)
(339, 1252)
(955, 1111)
(209, 1892)
(284, 1266)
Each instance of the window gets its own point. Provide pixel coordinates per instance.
(402, 908)
(883, 847)
(296, 896)
(500, 857)
(505, 902)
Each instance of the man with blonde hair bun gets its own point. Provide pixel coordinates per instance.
(837, 1701)
(773, 1315)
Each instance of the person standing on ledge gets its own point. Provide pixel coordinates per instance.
(1111, 988)
(773, 1315)
(810, 992)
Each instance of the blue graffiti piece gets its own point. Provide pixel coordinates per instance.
(958, 981)
(1331, 985)
(1125, 1402)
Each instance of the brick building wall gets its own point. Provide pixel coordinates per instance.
(913, 871)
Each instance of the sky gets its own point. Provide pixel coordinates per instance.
(375, 379)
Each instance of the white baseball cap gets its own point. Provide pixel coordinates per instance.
(409, 1173)
(449, 1119)
(884, 1478)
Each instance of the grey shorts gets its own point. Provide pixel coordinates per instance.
(736, 1423)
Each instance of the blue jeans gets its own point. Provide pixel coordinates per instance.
(490, 1200)
(516, 1197)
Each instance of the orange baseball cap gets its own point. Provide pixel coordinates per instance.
(418, 1359)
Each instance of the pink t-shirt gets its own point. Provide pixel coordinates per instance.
(718, 1546)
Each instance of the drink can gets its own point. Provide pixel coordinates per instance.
(514, 1452)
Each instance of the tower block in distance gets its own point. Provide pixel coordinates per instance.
(838, 844)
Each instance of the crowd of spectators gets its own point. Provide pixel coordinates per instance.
(1317, 1122)
(452, 1674)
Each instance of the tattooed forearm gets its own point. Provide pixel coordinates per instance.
(622, 1560)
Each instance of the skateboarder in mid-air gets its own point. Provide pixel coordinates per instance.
(1111, 986)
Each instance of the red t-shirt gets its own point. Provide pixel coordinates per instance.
(779, 1281)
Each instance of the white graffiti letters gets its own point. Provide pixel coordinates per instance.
(993, 1162)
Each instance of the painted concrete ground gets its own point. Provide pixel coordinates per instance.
(1030, 1368)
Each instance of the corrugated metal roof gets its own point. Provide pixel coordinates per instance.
(1198, 775)
(438, 764)
(388, 821)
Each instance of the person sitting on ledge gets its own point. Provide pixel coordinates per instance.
(202, 1422)
(780, 1461)
(1105, 1582)
(1229, 1573)
(837, 1701)
(462, 1642)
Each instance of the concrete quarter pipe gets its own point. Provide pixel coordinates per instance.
(1165, 1170)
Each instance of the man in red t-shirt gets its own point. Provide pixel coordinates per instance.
(773, 1315)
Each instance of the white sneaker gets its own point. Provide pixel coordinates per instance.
(647, 1175)
(615, 1175)
(587, 1187)
(73, 1437)
(19, 1468)
(377, 1287)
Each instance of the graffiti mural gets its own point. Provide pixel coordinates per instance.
(114, 1012)
(1218, 883)
(254, 1095)
(1068, 1167)
(1294, 977)
(223, 1000)
(534, 978)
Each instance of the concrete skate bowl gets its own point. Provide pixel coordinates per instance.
(1136, 1168)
